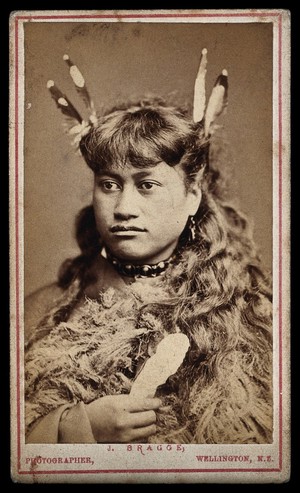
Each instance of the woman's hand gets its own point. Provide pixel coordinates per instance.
(122, 418)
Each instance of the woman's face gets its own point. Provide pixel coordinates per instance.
(140, 213)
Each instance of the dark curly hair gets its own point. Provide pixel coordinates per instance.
(221, 296)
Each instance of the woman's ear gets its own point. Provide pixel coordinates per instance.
(195, 196)
(195, 193)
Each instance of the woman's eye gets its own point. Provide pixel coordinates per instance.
(109, 186)
(147, 185)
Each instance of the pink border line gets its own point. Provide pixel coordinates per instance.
(136, 16)
(137, 471)
(142, 16)
(17, 241)
(280, 229)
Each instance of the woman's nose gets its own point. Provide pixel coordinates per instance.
(126, 205)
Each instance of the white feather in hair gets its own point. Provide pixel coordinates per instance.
(217, 101)
(81, 87)
(199, 89)
(64, 104)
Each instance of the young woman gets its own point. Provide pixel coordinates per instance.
(161, 253)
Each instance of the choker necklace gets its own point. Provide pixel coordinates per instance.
(132, 270)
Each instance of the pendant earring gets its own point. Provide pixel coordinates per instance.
(192, 229)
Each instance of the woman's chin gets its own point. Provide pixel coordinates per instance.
(131, 257)
(138, 257)
(135, 251)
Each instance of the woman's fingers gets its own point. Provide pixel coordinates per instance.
(139, 433)
(143, 404)
(138, 420)
(116, 418)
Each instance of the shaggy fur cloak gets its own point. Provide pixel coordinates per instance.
(103, 346)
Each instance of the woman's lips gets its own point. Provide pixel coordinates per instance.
(126, 229)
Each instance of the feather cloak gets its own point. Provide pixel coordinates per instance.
(102, 347)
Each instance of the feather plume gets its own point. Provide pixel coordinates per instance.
(80, 85)
(217, 101)
(64, 104)
(199, 89)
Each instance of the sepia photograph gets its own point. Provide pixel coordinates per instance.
(149, 261)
